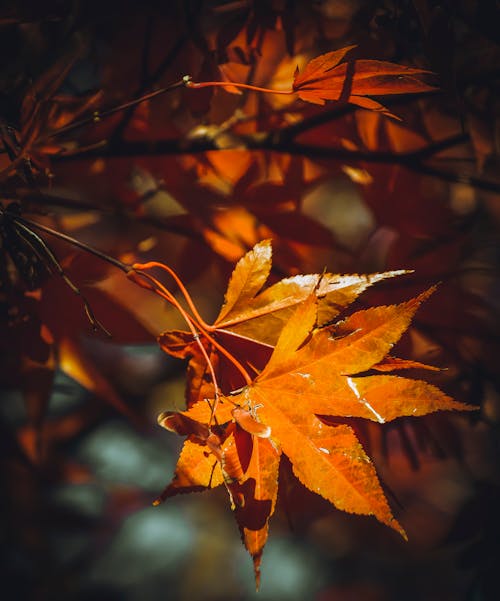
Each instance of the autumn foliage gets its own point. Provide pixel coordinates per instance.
(333, 167)
(305, 370)
(352, 81)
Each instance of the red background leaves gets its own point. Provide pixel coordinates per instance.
(196, 181)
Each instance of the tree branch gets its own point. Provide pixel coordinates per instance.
(414, 160)
(98, 115)
(174, 224)
(74, 242)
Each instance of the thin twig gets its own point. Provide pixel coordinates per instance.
(93, 251)
(171, 224)
(147, 84)
(98, 116)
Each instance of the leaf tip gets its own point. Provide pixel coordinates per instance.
(422, 297)
(457, 406)
(395, 525)
(257, 560)
(163, 418)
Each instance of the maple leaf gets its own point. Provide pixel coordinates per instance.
(251, 318)
(261, 314)
(314, 371)
(326, 78)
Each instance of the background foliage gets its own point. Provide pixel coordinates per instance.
(195, 178)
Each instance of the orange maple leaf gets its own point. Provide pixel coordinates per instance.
(313, 372)
(326, 78)
(251, 318)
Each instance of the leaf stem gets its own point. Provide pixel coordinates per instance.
(231, 357)
(162, 291)
(182, 288)
(227, 84)
(198, 320)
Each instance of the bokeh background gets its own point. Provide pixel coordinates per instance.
(82, 456)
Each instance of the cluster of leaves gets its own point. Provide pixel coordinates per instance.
(105, 141)
(310, 369)
(46, 118)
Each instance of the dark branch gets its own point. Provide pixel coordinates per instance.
(74, 242)
(174, 224)
(99, 116)
(413, 160)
